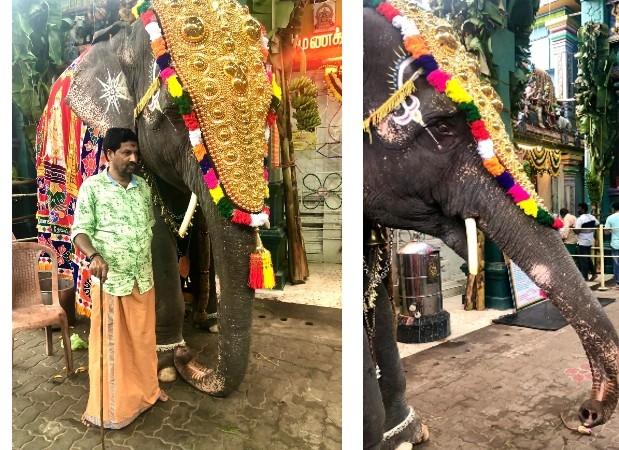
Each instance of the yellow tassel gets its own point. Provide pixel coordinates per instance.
(267, 270)
(390, 104)
(217, 194)
(266, 190)
(277, 91)
(174, 87)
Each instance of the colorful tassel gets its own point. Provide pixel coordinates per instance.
(261, 274)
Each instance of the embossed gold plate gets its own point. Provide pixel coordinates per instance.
(216, 50)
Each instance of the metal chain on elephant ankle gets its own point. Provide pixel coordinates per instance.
(172, 220)
(376, 274)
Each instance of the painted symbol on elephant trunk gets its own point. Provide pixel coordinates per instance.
(579, 374)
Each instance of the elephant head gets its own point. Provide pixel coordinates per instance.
(427, 175)
(109, 81)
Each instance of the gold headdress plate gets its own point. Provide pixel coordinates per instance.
(217, 52)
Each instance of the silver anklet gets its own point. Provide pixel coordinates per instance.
(167, 347)
(401, 426)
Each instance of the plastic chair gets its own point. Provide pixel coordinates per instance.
(28, 309)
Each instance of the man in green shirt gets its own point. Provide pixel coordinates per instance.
(113, 228)
(612, 227)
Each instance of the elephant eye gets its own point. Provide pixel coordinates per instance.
(443, 128)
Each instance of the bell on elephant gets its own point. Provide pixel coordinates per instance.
(422, 317)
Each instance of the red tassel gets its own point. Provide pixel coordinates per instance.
(256, 279)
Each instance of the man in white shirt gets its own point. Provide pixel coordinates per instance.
(584, 240)
(567, 232)
(612, 228)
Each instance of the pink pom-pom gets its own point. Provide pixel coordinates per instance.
(438, 79)
(266, 174)
(210, 179)
(518, 193)
(557, 224)
(167, 73)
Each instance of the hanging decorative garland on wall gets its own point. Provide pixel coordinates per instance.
(543, 160)
(443, 82)
(333, 80)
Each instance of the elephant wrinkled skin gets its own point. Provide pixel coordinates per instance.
(413, 182)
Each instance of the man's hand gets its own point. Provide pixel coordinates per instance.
(98, 268)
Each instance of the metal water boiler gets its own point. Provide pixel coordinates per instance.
(422, 317)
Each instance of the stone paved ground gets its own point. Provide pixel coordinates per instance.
(290, 398)
(504, 387)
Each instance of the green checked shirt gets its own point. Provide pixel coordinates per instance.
(119, 223)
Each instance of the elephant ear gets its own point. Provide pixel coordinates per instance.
(99, 92)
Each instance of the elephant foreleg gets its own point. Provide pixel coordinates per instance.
(401, 423)
(170, 308)
(373, 409)
(203, 276)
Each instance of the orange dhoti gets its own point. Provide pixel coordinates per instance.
(130, 384)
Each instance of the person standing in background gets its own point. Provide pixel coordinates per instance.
(585, 240)
(567, 232)
(612, 228)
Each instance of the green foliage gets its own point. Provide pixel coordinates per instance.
(303, 97)
(37, 56)
(596, 104)
(593, 183)
(477, 20)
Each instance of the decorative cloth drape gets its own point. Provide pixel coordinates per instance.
(542, 159)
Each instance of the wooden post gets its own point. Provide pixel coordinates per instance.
(282, 65)
(480, 280)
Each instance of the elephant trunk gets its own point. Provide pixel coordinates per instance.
(231, 247)
(539, 251)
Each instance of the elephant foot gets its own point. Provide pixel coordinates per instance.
(195, 373)
(167, 374)
(203, 320)
(410, 431)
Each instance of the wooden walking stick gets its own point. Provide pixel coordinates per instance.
(101, 362)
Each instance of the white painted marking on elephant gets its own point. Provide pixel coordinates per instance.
(114, 89)
(154, 104)
(540, 274)
(412, 112)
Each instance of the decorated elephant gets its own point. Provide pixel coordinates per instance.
(193, 80)
(436, 156)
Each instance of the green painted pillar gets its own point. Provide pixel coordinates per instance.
(498, 289)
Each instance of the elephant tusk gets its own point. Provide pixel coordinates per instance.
(193, 202)
(471, 244)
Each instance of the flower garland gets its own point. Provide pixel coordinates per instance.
(443, 82)
(261, 275)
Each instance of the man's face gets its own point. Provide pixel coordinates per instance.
(580, 211)
(124, 160)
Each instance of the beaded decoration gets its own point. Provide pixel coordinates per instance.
(445, 83)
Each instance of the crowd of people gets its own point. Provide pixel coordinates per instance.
(578, 234)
